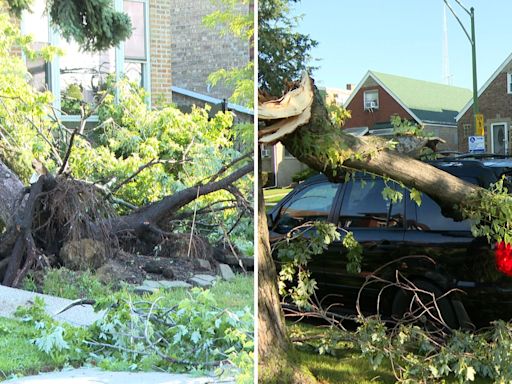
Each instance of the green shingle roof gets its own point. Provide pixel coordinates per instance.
(430, 102)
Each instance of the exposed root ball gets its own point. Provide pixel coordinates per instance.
(71, 211)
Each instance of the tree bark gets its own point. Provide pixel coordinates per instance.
(155, 212)
(276, 362)
(11, 193)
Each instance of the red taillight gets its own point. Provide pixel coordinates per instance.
(504, 257)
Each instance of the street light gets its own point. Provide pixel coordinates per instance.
(471, 38)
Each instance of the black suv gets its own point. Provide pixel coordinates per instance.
(389, 231)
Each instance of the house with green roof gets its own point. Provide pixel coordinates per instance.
(379, 96)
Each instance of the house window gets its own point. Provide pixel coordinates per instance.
(36, 24)
(136, 63)
(509, 83)
(466, 129)
(82, 75)
(371, 99)
(79, 75)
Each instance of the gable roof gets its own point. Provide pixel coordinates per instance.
(425, 101)
(484, 87)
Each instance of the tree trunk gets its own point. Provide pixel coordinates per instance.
(276, 362)
(11, 192)
(154, 213)
(327, 149)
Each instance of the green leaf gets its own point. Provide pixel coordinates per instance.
(416, 196)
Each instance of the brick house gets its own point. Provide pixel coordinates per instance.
(495, 103)
(379, 96)
(162, 31)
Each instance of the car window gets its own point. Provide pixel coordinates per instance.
(310, 204)
(431, 218)
(364, 206)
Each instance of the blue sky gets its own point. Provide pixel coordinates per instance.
(404, 37)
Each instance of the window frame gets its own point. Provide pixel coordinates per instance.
(368, 92)
(509, 83)
(146, 67)
(54, 84)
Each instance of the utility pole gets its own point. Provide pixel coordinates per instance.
(472, 40)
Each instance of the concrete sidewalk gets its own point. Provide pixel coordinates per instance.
(80, 315)
(96, 376)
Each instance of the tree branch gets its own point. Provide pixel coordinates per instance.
(156, 212)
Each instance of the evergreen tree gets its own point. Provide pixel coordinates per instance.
(93, 24)
(282, 52)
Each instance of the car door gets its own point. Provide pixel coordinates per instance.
(378, 225)
(449, 243)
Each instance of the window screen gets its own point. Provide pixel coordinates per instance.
(365, 207)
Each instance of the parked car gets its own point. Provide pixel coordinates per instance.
(389, 231)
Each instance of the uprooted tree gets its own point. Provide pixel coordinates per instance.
(301, 122)
(126, 180)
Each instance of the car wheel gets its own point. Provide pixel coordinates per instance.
(401, 307)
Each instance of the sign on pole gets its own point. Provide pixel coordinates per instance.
(479, 124)
(476, 144)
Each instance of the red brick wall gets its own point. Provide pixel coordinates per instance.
(387, 107)
(496, 106)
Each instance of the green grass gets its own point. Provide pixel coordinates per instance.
(273, 196)
(73, 285)
(19, 356)
(345, 364)
(346, 367)
(235, 294)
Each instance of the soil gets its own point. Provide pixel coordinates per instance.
(170, 260)
(137, 268)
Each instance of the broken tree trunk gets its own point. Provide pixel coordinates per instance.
(11, 192)
(314, 140)
(152, 214)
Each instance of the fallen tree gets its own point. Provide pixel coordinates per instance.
(300, 121)
(22, 243)
(304, 127)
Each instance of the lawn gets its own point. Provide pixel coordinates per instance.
(272, 196)
(20, 357)
(343, 364)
